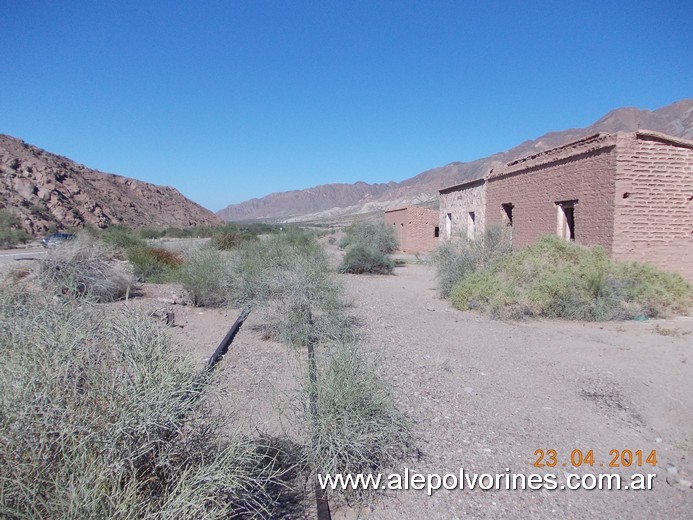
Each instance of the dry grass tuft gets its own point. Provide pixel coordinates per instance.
(100, 419)
(83, 268)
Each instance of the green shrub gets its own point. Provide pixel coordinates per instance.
(358, 427)
(226, 240)
(10, 233)
(148, 234)
(344, 409)
(207, 277)
(363, 259)
(99, 418)
(82, 268)
(556, 278)
(374, 235)
(455, 260)
(286, 277)
(121, 237)
(153, 264)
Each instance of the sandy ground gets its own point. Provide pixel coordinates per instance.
(485, 395)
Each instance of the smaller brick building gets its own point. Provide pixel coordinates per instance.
(463, 210)
(416, 228)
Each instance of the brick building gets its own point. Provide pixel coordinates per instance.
(630, 192)
(416, 228)
(462, 210)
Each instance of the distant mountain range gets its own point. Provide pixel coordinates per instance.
(46, 191)
(332, 203)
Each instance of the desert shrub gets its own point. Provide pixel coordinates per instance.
(226, 240)
(344, 411)
(252, 229)
(153, 264)
(10, 233)
(207, 277)
(657, 293)
(148, 233)
(174, 232)
(375, 235)
(456, 259)
(83, 268)
(355, 425)
(121, 237)
(556, 278)
(99, 418)
(364, 259)
(286, 277)
(367, 246)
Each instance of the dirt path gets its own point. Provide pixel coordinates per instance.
(485, 395)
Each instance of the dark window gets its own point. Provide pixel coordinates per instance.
(508, 214)
(436, 232)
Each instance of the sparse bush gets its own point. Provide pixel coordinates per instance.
(555, 278)
(285, 277)
(226, 240)
(344, 410)
(153, 264)
(367, 245)
(10, 233)
(149, 234)
(357, 428)
(375, 235)
(455, 260)
(207, 276)
(363, 259)
(82, 268)
(121, 237)
(100, 419)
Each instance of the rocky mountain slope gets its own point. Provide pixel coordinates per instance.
(46, 191)
(337, 202)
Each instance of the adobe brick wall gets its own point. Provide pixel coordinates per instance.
(582, 171)
(414, 228)
(654, 201)
(458, 201)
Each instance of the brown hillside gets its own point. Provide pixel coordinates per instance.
(46, 191)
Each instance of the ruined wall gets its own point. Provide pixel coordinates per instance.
(654, 202)
(582, 171)
(458, 202)
(414, 228)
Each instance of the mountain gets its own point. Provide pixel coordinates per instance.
(46, 191)
(332, 203)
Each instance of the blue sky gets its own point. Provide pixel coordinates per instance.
(229, 100)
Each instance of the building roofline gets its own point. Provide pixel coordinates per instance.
(400, 208)
(581, 146)
(686, 143)
(409, 206)
(588, 143)
(464, 184)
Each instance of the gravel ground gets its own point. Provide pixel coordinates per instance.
(485, 395)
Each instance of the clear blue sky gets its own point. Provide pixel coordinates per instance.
(230, 100)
